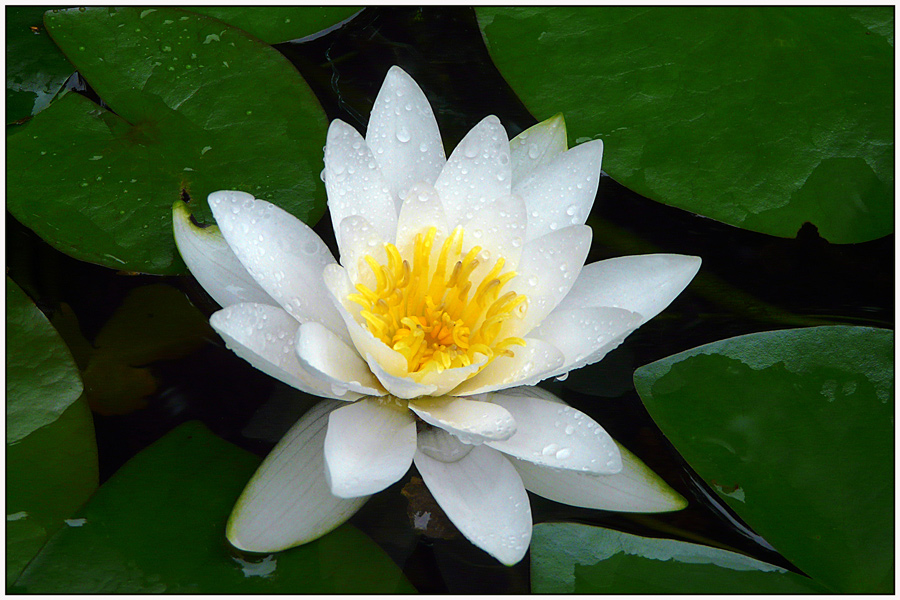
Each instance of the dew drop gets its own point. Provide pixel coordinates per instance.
(533, 151)
(571, 210)
(403, 135)
(550, 449)
(570, 429)
(563, 453)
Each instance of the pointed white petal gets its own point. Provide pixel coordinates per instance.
(288, 501)
(547, 270)
(586, 335)
(644, 284)
(484, 497)
(476, 173)
(358, 240)
(561, 192)
(404, 135)
(369, 445)
(556, 435)
(635, 489)
(472, 421)
(400, 386)
(282, 254)
(421, 210)
(536, 146)
(499, 229)
(326, 355)
(212, 263)
(355, 184)
(263, 335)
(530, 365)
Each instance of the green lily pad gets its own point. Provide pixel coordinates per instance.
(760, 117)
(158, 525)
(49, 475)
(42, 380)
(35, 68)
(276, 24)
(794, 430)
(195, 106)
(569, 557)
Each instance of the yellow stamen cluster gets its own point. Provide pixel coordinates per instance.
(427, 314)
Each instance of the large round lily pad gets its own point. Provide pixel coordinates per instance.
(761, 117)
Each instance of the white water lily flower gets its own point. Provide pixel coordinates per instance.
(460, 281)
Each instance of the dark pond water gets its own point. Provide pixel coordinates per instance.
(749, 282)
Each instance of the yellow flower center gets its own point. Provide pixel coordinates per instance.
(427, 313)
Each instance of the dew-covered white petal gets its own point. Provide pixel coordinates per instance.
(445, 381)
(476, 173)
(288, 501)
(370, 444)
(645, 284)
(212, 263)
(547, 270)
(562, 191)
(530, 364)
(358, 240)
(421, 210)
(484, 497)
(442, 445)
(556, 435)
(403, 135)
(586, 335)
(326, 355)
(263, 335)
(355, 184)
(472, 421)
(536, 146)
(499, 229)
(282, 254)
(635, 489)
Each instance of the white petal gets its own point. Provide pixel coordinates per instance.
(288, 501)
(326, 355)
(536, 146)
(421, 210)
(635, 489)
(472, 421)
(442, 446)
(370, 445)
(476, 173)
(358, 240)
(499, 228)
(402, 387)
(586, 335)
(365, 343)
(484, 497)
(404, 135)
(530, 365)
(448, 379)
(212, 263)
(556, 435)
(547, 270)
(644, 284)
(561, 192)
(355, 184)
(263, 335)
(281, 252)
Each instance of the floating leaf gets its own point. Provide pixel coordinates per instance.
(35, 68)
(275, 24)
(158, 525)
(761, 117)
(49, 475)
(794, 430)
(196, 106)
(569, 557)
(42, 380)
